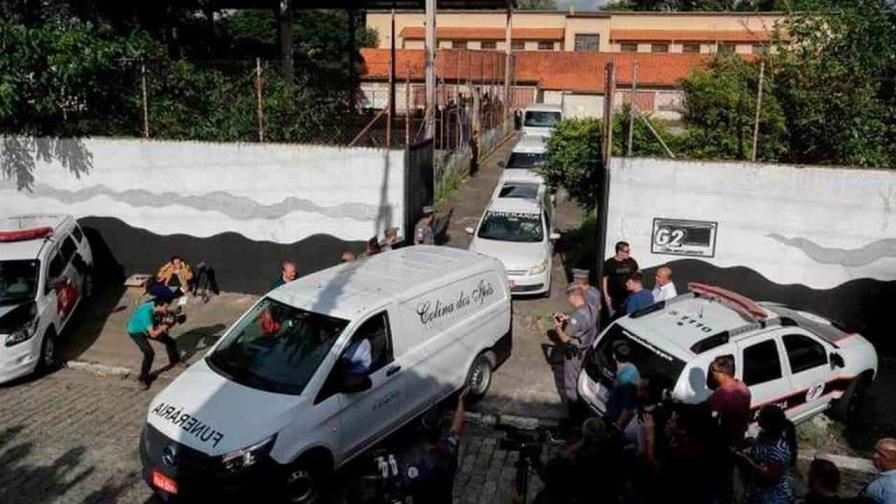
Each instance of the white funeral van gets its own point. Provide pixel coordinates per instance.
(540, 119)
(45, 273)
(322, 368)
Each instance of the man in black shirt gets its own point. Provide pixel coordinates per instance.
(616, 272)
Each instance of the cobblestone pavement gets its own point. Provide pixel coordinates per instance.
(72, 437)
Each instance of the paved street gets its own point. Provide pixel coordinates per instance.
(73, 436)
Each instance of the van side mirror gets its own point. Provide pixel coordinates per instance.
(469, 230)
(353, 383)
(837, 361)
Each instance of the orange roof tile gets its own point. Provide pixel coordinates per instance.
(689, 36)
(560, 70)
(465, 33)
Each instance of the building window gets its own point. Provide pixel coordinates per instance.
(628, 47)
(587, 42)
(545, 45)
(458, 44)
(690, 48)
(489, 44)
(760, 49)
(727, 48)
(659, 48)
(518, 45)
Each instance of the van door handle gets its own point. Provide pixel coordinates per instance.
(392, 370)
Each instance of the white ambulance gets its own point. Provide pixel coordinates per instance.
(45, 273)
(322, 368)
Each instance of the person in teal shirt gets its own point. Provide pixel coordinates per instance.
(141, 328)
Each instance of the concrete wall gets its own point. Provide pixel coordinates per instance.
(815, 237)
(279, 195)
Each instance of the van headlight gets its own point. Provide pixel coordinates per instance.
(25, 333)
(539, 268)
(245, 457)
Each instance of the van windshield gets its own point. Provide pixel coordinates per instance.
(650, 361)
(542, 119)
(18, 281)
(276, 347)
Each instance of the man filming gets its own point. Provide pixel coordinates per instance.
(152, 320)
(573, 333)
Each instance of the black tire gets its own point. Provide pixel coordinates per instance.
(846, 408)
(307, 481)
(49, 353)
(479, 377)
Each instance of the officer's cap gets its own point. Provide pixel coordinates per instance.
(573, 288)
(428, 209)
(580, 274)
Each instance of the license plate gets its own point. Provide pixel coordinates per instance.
(163, 482)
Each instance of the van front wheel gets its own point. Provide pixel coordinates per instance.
(479, 379)
(305, 483)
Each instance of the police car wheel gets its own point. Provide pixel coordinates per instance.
(480, 377)
(846, 408)
(303, 485)
(47, 358)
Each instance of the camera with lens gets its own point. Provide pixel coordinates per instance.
(171, 318)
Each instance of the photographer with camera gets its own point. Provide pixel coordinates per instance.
(153, 320)
(572, 334)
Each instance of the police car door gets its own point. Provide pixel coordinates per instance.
(807, 360)
(369, 414)
(760, 368)
(69, 284)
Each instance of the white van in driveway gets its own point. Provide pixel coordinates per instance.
(322, 368)
(540, 119)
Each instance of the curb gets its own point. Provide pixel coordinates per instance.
(849, 463)
(519, 422)
(99, 369)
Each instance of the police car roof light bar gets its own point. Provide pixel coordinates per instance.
(741, 304)
(26, 234)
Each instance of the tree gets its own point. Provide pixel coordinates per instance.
(720, 109)
(538, 5)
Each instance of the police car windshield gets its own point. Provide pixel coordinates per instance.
(542, 119)
(276, 347)
(512, 226)
(18, 281)
(526, 160)
(649, 360)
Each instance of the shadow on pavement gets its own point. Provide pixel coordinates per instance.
(21, 482)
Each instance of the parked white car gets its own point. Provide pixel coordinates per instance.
(788, 357)
(322, 368)
(45, 265)
(540, 119)
(517, 229)
(528, 154)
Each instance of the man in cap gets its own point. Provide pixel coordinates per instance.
(592, 295)
(423, 234)
(574, 333)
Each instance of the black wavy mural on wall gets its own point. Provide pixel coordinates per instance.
(863, 305)
(241, 264)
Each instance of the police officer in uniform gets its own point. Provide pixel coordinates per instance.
(573, 334)
(592, 295)
(423, 234)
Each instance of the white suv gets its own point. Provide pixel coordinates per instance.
(791, 358)
(45, 265)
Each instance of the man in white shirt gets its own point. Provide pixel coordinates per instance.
(883, 489)
(663, 288)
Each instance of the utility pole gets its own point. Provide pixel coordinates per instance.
(508, 54)
(145, 103)
(391, 82)
(602, 191)
(430, 56)
(284, 33)
(260, 99)
(631, 108)
(758, 109)
(407, 108)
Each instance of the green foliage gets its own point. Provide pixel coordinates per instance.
(720, 108)
(718, 5)
(574, 151)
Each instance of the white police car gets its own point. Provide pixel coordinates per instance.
(45, 264)
(517, 228)
(797, 360)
